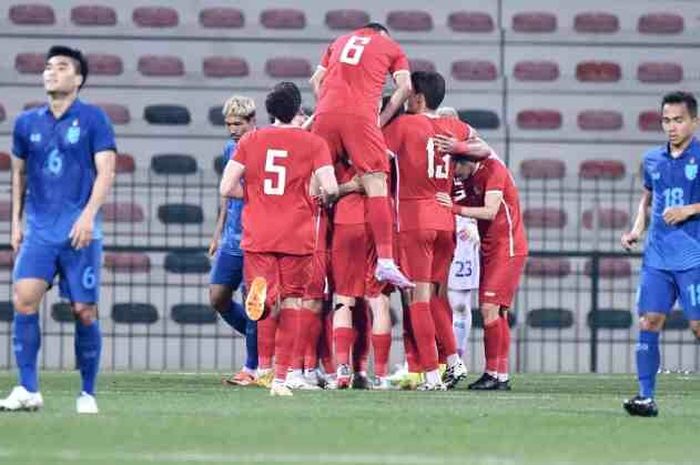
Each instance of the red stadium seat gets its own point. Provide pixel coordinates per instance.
(104, 65)
(283, 18)
(32, 14)
(5, 161)
(161, 65)
(610, 268)
(33, 104)
(539, 119)
(5, 210)
(599, 120)
(474, 70)
(155, 16)
(660, 72)
(649, 121)
(660, 23)
(221, 66)
(409, 20)
(594, 22)
(534, 21)
(93, 15)
(122, 212)
(125, 163)
(127, 262)
(7, 259)
(601, 169)
(470, 21)
(2, 113)
(543, 168)
(607, 218)
(346, 19)
(285, 67)
(419, 64)
(548, 267)
(118, 114)
(536, 70)
(545, 218)
(221, 18)
(30, 63)
(598, 71)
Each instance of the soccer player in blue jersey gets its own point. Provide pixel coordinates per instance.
(64, 157)
(225, 247)
(670, 205)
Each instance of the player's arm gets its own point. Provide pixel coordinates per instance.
(328, 185)
(630, 239)
(474, 149)
(317, 79)
(402, 79)
(677, 215)
(19, 183)
(231, 179)
(492, 202)
(220, 221)
(351, 187)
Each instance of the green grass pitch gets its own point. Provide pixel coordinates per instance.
(181, 419)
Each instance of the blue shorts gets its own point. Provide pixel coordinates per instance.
(78, 270)
(227, 270)
(659, 290)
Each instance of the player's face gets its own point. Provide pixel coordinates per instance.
(60, 76)
(677, 123)
(414, 104)
(237, 126)
(464, 169)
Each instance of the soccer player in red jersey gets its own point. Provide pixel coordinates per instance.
(280, 166)
(493, 200)
(348, 85)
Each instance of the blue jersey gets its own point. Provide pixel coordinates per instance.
(60, 166)
(231, 235)
(673, 182)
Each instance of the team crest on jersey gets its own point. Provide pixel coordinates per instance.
(73, 134)
(691, 170)
(656, 176)
(35, 137)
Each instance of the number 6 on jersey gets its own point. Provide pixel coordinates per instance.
(352, 52)
(275, 186)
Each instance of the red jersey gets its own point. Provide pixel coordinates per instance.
(356, 66)
(504, 236)
(350, 209)
(423, 172)
(278, 216)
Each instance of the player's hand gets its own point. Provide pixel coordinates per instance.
(81, 232)
(213, 246)
(444, 199)
(629, 240)
(357, 185)
(469, 233)
(676, 215)
(16, 237)
(445, 144)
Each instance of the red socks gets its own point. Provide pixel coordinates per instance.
(492, 345)
(303, 338)
(380, 220)
(314, 329)
(504, 349)
(442, 318)
(267, 329)
(409, 343)
(424, 334)
(343, 338)
(382, 346)
(287, 327)
(325, 349)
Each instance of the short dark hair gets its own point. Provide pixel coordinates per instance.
(282, 105)
(292, 89)
(681, 97)
(379, 27)
(81, 66)
(431, 85)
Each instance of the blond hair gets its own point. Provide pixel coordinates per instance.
(448, 112)
(243, 107)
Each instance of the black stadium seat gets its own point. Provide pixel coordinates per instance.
(186, 263)
(676, 321)
(478, 320)
(550, 318)
(62, 312)
(180, 213)
(610, 319)
(480, 119)
(6, 311)
(2, 118)
(193, 314)
(173, 163)
(167, 114)
(219, 164)
(133, 312)
(216, 117)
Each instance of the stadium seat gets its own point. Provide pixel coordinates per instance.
(180, 213)
(93, 15)
(216, 117)
(118, 114)
(127, 262)
(33, 104)
(167, 114)
(5, 210)
(30, 63)
(155, 16)
(161, 65)
(7, 311)
(599, 120)
(676, 321)
(6, 259)
(545, 218)
(550, 318)
(283, 18)
(610, 268)
(480, 119)
(62, 312)
(596, 23)
(409, 20)
(548, 267)
(186, 263)
(346, 19)
(598, 71)
(193, 314)
(536, 70)
(32, 14)
(470, 21)
(478, 319)
(5, 158)
(419, 64)
(104, 64)
(601, 169)
(543, 168)
(2, 114)
(534, 21)
(660, 23)
(224, 67)
(288, 67)
(221, 18)
(649, 121)
(122, 212)
(132, 312)
(219, 164)
(173, 163)
(474, 70)
(125, 163)
(610, 319)
(539, 119)
(660, 72)
(607, 218)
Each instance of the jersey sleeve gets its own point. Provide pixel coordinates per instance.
(496, 181)
(322, 154)
(648, 185)
(240, 155)
(392, 135)
(399, 62)
(326, 57)
(101, 133)
(19, 139)
(229, 150)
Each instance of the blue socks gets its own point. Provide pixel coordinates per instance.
(236, 318)
(648, 361)
(88, 347)
(26, 340)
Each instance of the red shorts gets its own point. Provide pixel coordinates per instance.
(318, 284)
(353, 261)
(286, 275)
(500, 277)
(360, 138)
(426, 254)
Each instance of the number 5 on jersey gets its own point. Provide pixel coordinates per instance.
(353, 50)
(275, 185)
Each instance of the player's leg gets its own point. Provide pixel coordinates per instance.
(362, 325)
(381, 338)
(343, 338)
(315, 328)
(461, 305)
(492, 344)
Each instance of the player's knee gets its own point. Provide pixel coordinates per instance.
(85, 314)
(695, 328)
(651, 322)
(25, 304)
(219, 300)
